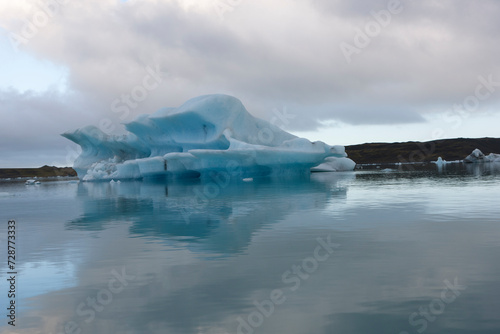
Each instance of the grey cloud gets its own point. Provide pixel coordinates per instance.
(356, 8)
(32, 123)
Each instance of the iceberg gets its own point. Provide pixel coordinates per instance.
(478, 156)
(334, 164)
(205, 135)
(440, 162)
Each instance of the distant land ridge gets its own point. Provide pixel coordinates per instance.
(448, 149)
(45, 171)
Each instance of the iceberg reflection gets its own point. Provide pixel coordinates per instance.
(222, 221)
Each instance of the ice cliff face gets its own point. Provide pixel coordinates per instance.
(206, 134)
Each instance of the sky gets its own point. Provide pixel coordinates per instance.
(344, 72)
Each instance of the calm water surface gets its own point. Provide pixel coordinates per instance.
(361, 252)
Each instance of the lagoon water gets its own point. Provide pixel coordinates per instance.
(361, 252)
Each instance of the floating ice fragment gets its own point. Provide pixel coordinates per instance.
(334, 164)
(478, 156)
(439, 162)
(387, 170)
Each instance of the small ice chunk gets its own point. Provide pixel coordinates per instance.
(478, 156)
(440, 161)
(334, 164)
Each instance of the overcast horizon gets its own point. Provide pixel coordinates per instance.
(344, 72)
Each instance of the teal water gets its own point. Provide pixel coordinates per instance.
(360, 252)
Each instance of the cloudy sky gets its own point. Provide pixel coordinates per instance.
(345, 72)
